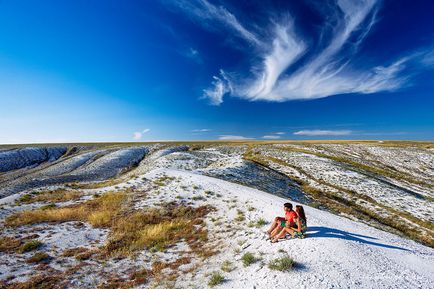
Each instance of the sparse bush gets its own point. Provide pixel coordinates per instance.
(248, 259)
(240, 216)
(261, 222)
(227, 266)
(216, 279)
(39, 257)
(281, 264)
(209, 193)
(257, 224)
(30, 246)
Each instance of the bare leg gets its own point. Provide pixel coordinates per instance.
(276, 232)
(283, 233)
(274, 225)
(290, 231)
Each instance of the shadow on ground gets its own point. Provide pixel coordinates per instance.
(325, 232)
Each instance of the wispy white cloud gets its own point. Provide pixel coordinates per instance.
(271, 136)
(233, 137)
(279, 133)
(138, 134)
(205, 11)
(201, 130)
(319, 132)
(220, 86)
(289, 68)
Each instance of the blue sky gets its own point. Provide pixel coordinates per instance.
(77, 71)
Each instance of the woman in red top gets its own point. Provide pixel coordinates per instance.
(281, 222)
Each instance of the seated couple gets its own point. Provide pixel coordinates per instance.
(294, 223)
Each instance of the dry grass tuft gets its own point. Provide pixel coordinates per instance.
(60, 195)
(109, 203)
(39, 257)
(40, 282)
(9, 244)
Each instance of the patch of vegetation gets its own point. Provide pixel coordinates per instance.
(48, 206)
(215, 279)
(162, 181)
(257, 224)
(251, 209)
(198, 198)
(39, 257)
(240, 216)
(30, 246)
(9, 244)
(281, 264)
(241, 242)
(131, 230)
(209, 193)
(248, 259)
(41, 281)
(59, 195)
(92, 211)
(227, 266)
(73, 251)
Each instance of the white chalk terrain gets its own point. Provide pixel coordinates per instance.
(243, 187)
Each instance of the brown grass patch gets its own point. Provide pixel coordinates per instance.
(41, 281)
(109, 203)
(131, 230)
(9, 244)
(59, 195)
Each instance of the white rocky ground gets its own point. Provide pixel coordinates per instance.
(337, 253)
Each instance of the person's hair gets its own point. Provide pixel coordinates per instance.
(288, 205)
(300, 211)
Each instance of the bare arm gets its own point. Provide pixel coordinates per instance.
(299, 225)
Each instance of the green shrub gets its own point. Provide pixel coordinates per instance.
(227, 266)
(216, 278)
(281, 264)
(248, 259)
(240, 216)
(30, 246)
